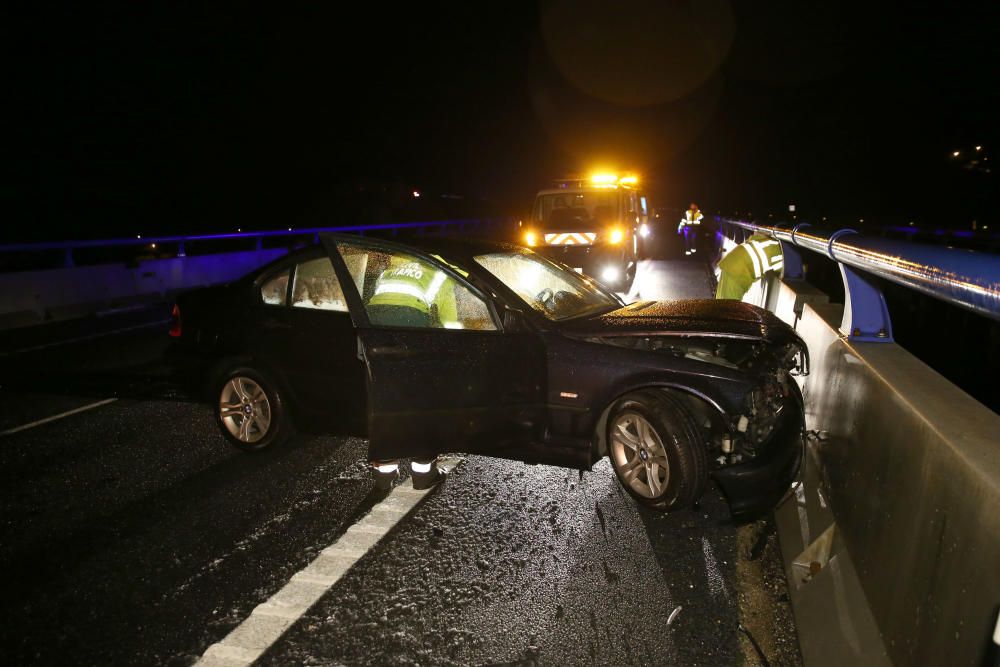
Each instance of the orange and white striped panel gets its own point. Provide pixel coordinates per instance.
(571, 238)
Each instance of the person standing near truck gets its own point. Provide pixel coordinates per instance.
(690, 224)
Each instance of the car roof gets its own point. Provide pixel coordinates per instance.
(447, 246)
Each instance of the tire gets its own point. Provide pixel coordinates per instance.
(250, 410)
(657, 450)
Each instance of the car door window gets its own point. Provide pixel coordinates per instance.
(274, 290)
(401, 290)
(315, 285)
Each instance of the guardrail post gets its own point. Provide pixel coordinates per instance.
(68, 259)
(180, 250)
(866, 317)
(792, 261)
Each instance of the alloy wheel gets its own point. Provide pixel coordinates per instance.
(244, 409)
(638, 455)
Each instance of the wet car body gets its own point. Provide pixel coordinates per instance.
(529, 387)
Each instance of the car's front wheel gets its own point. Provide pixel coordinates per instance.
(657, 450)
(251, 411)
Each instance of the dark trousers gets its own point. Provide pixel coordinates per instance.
(690, 238)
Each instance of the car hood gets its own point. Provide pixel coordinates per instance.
(692, 317)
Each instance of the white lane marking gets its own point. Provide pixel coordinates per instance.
(269, 620)
(84, 408)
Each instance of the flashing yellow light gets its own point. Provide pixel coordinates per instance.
(603, 180)
(530, 238)
(616, 236)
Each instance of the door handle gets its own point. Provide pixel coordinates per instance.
(392, 350)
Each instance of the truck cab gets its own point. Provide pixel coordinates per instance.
(594, 225)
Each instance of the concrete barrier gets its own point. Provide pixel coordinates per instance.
(28, 297)
(892, 541)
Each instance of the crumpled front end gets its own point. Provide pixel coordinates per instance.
(761, 456)
(736, 365)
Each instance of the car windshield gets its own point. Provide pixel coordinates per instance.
(556, 292)
(570, 210)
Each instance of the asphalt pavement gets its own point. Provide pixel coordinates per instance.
(133, 534)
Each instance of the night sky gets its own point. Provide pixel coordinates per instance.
(141, 118)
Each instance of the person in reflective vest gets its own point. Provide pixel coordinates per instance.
(689, 228)
(747, 263)
(411, 293)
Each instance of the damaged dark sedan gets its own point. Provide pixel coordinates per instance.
(492, 349)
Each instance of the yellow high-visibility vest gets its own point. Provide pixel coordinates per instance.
(415, 284)
(693, 217)
(746, 263)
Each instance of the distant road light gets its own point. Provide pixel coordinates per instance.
(416, 194)
(955, 154)
(979, 148)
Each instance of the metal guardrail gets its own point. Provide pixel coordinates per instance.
(69, 246)
(964, 278)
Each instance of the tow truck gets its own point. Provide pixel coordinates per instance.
(592, 224)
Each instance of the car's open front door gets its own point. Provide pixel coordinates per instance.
(442, 375)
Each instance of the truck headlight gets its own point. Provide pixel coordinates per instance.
(609, 274)
(531, 238)
(616, 236)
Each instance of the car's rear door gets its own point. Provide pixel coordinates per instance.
(305, 333)
(452, 382)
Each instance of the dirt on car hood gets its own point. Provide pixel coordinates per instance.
(690, 317)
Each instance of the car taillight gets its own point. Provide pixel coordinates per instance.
(175, 321)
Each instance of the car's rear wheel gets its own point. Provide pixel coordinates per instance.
(251, 410)
(657, 450)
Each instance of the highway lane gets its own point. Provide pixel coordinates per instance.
(514, 564)
(132, 534)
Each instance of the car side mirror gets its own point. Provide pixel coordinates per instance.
(514, 320)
